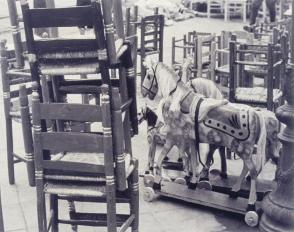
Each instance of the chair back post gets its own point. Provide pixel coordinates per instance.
(27, 133)
(118, 140)
(108, 158)
(212, 64)
(109, 30)
(32, 57)
(16, 33)
(270, 77)
(118, 18)
(232, 81)
(5, 79)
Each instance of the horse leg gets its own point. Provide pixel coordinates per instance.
(253, 174)
(204, 175)
(222, 153)
(166, 148)
(194, 165)
(238, 184)
(151, 156)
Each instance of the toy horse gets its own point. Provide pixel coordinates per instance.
(190, 116)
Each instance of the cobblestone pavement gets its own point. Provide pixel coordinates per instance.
(162, 215)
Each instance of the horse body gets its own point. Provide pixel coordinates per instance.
(218, 123)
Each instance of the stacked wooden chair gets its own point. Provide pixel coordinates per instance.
(197, 45)
(271, 67)
(151, 41)
(15, 71)
(67, 164)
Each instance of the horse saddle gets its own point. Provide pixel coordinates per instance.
(229, 120)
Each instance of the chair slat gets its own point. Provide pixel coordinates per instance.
(66, 45)
(72, 142)
(75, 112)
(61, 17)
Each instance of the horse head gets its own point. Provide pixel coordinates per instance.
(149, 115)
(150, 84)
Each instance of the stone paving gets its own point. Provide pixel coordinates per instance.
(162, 215)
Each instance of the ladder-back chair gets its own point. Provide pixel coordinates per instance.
(58, 57)
(270, 94)
(151, 39)
(85, 166)
(11, 78)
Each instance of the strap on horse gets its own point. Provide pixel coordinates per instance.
(196, 127)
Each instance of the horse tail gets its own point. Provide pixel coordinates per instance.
(261, 143)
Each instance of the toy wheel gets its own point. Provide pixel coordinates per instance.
(149, 194)
(180, 180)
(204, 184)
(251, 218)
(148, 180)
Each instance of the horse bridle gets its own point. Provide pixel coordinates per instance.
(149, 90)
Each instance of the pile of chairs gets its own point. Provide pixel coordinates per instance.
(80, 149)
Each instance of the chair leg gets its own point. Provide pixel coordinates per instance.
(134, 190)
(54, 209)
(10, 159)
(1, 216)
(72, 209)
(41, 207)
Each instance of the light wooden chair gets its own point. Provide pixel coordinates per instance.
(272, 68)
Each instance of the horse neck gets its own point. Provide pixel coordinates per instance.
(167, 81)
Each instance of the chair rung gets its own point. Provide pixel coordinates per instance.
(15, 114)
(93, 219)
(256, 63)
(19, 158)
(126, 104)
(127, 223)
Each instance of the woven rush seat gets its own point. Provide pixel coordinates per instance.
(223, 69)
(75, 190)
(69, 69)
(256, 70)
(256, 94)
(88, 158)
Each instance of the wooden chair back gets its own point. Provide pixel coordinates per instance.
(273, 63)
(151, 39)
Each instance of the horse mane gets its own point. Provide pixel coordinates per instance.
(170, 70)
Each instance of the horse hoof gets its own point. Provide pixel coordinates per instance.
(192, 186)
(166, 159)
(223, 175)
(248, 178)
(149, 194)
(187, 179)
(204, 184)
(233, 194)
(251, 218)
(204, 179)
(148, 180)
(215, 172)
(180, 160)
(181, 181)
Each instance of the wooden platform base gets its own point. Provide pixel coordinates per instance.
(204, 197)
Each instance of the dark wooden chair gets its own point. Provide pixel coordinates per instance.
(11, 78)
(85, 166)
(271, 67)
(151, 39)
(61, 58)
